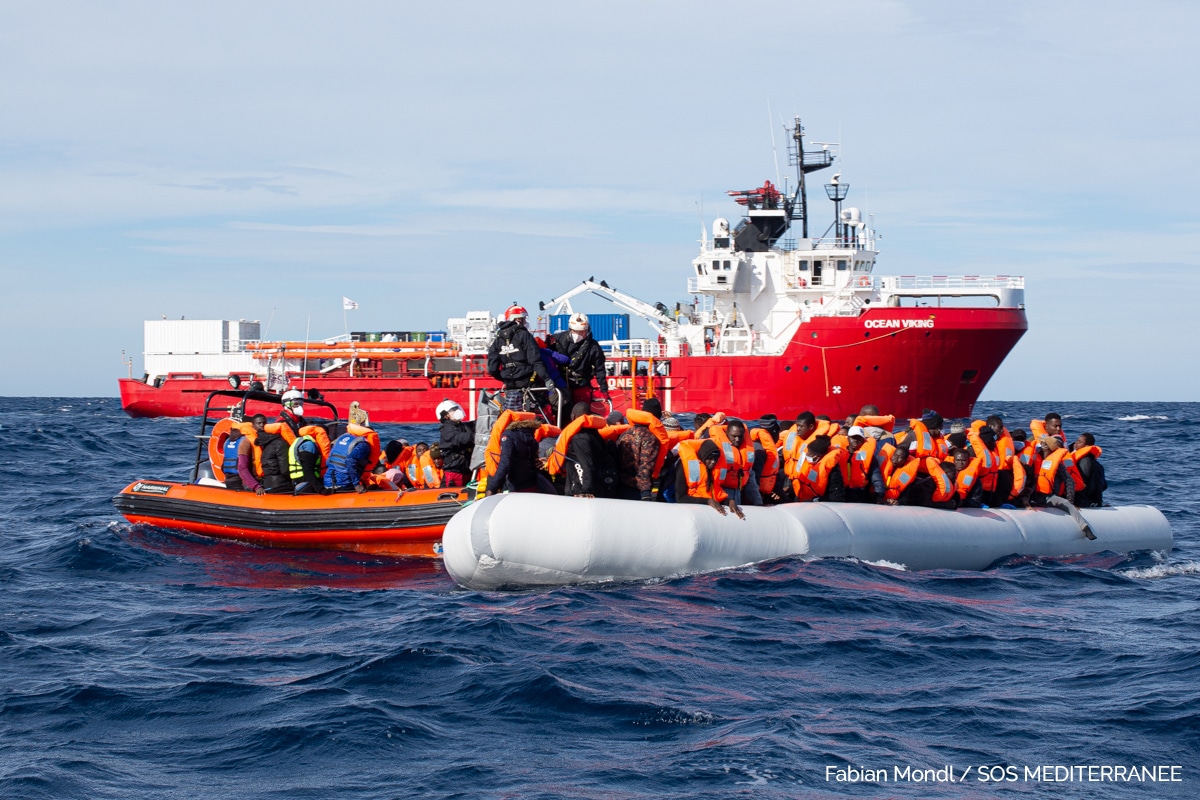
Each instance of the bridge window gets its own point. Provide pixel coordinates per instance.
(841, 264)
(804, 265)
(726, 265)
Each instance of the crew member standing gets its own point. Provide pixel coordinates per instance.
(515, 360)
(587, 361)
(457, 440)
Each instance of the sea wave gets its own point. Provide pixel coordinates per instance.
(1143, 418)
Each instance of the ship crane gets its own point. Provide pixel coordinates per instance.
(656, 315)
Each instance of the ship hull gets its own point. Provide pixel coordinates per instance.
(903, 360)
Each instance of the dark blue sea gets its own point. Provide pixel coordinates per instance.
(140, 663)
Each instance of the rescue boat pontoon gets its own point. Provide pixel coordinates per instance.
(376, 521)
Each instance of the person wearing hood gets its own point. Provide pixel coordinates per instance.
(515, 360)
(275, 467)
(586, 360)
(457, 440)
(698, 479)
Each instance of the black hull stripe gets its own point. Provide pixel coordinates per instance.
(283, 521)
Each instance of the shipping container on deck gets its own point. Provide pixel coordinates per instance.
(605, 327)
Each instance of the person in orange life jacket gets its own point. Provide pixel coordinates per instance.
(1086, 453)
(519, 468)
(864, 469)
(515, 360)
(969, 487)
(292, 413)
(590, 469)
(818, 475)
(457, 439)
(1024, 454)
(637, 455)
(697, 477)
(769, 423)
(796, 439)
(740, 483)
(585, 360)
(905, 485)
(394, 471)
(1055, 485)
(243, 475)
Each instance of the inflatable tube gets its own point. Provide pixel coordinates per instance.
(521, 540)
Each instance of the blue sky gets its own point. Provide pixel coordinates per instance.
(260, 160)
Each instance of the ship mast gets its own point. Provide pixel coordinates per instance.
(804, 163)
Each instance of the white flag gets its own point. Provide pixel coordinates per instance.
(348, 304)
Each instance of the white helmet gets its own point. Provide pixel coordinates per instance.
(579, 323)
(446, 407)
(292, 396)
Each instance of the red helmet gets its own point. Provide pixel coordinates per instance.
(515, 312)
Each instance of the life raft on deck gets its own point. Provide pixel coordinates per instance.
(376, 522)
(522, 540)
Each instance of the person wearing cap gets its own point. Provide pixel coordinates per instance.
(586, 359)
(292, 413)
(863, 471)
(457, 440)
(515, 360)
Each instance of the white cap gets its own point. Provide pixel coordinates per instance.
(856, 430)
(579, 323)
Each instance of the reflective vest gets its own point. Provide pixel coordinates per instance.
(812, 480)
(925, 445)
(295, 470)
(695, 472)
(431, 476)
(1048, 473)
(967, 476)
(766, 481)
(901, 478)
(943, 487)
(858, 466)
(738, 463)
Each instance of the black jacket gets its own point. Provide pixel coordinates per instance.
(587, 359)
(518, 467)
(274, 462)
(591, 468)
(514, 357)
(457, 440)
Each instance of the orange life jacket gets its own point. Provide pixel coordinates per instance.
(1048, 472)
(638, 417)
(696, 473)
(900, 478)
(557, 460)
(858, 466)
(888, 423)
(431, 476)
(491, 456)
(812, 480)
(943, 487)
(319, 435)
(372, 437)
(925, 443)
(738, 464)
(766, 481)
(1092, 450)
(967, 477)
(1018, 473)
(610, 433)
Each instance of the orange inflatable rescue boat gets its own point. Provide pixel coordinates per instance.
(377, 521)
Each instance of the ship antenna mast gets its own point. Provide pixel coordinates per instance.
(801, 190)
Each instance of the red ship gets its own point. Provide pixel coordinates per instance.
(772, 324)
